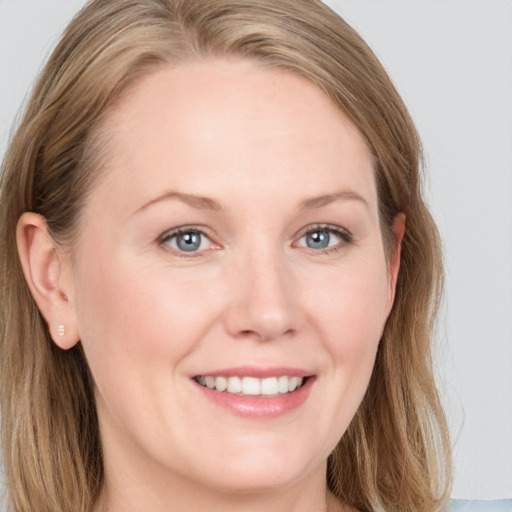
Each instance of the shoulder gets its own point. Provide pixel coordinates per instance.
(480, 506)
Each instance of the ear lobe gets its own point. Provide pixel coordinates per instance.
(394, 261)
(42, 265)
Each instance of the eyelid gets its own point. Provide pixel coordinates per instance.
(343, 233)
(179, 230)
(339, 231)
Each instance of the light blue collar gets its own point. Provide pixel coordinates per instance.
(481, 506)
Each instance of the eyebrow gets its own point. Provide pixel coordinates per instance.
(317, 202)
(198, 202)
(207, 203)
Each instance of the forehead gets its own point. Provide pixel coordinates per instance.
(219, 124)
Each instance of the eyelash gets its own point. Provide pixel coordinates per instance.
(164, 239)
(345, 236)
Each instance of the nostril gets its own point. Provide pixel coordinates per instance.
(264, 335)
(262, 316)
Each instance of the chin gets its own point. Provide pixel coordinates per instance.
(256, 480)
(263, 470)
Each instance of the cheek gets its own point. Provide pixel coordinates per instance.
(351, 311)
(131, 315)
(139, 330)
(352, 304)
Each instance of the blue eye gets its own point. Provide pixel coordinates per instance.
(318, 239)
(324, 238)
(187, 240)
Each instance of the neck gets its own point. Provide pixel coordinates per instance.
(129, 490)
(289, 501)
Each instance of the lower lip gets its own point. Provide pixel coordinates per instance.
(260, 406)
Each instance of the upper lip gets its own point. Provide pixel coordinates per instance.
(258, 372)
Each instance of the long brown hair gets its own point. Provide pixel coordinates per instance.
(395, 455)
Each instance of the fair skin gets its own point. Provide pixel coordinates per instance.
(278, 270)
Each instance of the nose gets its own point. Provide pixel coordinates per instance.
(263, 301)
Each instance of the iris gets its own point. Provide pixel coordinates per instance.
(190, 241)
(318, 239)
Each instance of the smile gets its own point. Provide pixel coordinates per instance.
(252, 386)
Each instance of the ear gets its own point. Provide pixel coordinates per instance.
(394, 261)
(47, 272)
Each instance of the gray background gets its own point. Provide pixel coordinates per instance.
(452, 62)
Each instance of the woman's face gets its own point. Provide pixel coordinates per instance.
(232, 240)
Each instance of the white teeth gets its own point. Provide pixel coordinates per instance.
(251, 386)
(295, 382)
(282, 384)
(221, 383)
(210, 382)
(269, 386)
(234, 385)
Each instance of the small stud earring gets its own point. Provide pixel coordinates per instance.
(61, 330)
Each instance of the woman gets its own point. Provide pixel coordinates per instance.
(219, 276)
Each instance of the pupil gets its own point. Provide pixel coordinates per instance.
(318, 240)
(189, 241)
